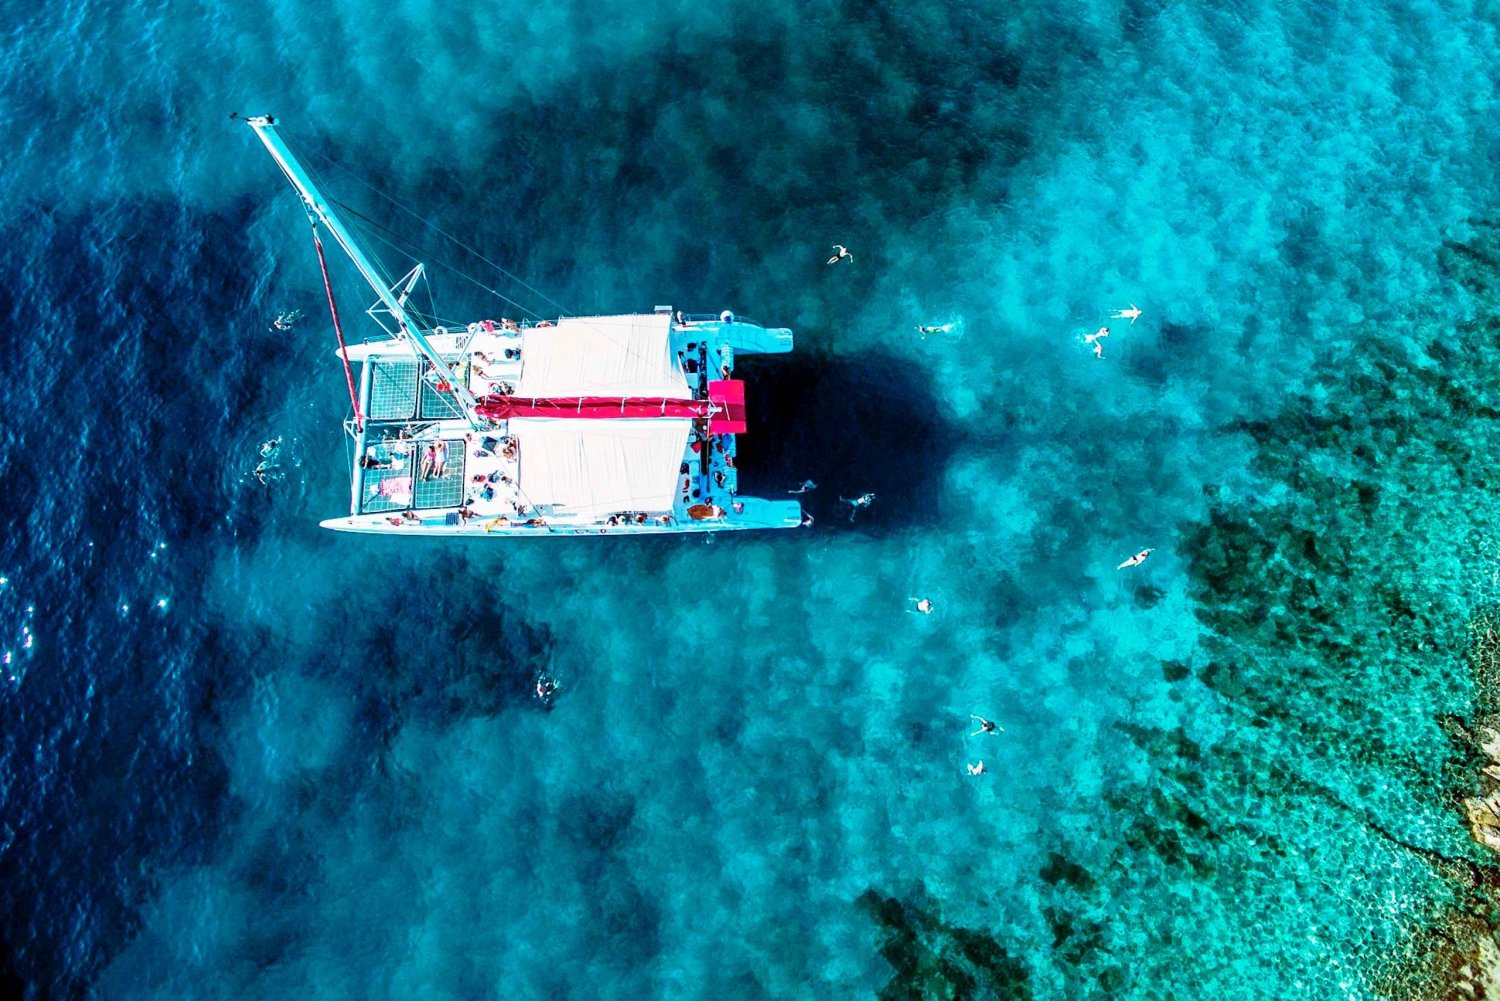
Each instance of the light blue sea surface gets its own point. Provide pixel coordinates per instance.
(244, 757)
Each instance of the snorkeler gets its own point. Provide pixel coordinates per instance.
(985, 726)
(863, 500)
(938, 328)
(1135, 560)
(1096, 339)
(804, 488)
(1132, 314)
(923, 605)
(841, 253)
(546, 689)
(265, 470)
(285, 319)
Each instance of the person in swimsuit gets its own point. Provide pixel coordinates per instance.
(985, 726)
(862, 501)
(1096, 339)
(841, 253)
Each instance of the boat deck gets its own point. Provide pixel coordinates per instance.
(422, 469)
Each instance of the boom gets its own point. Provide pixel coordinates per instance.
(318, 209)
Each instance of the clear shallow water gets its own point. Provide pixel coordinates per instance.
(316, 768)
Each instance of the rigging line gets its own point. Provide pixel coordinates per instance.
(438, 229)
(465, 276)
(321, 186)
(431, 302)
(338, 329)
(412, 310)
(395, 241)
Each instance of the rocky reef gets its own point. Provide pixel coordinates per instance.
(933, 959)
(1335, 600)
(1459, 960)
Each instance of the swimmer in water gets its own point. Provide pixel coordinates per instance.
(804, 488)
(977, 769)
(862, 501)
(1097, 340)
(1135, 560)
(807, 520)
(939, 328)
(266, 469)
(923, 605)
(1132, 314)
(546, 688)
(985, 726)
(284, 320)
(841, 253)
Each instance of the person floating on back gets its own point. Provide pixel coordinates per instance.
(977, 769)
(841, 253)
(1135, 560)
(923, 605)
(985, 726)
(1132, 314)
(1097, 340)
(863, 500)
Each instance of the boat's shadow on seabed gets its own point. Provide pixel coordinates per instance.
(862, 423)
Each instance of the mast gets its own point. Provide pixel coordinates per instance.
(319, 211)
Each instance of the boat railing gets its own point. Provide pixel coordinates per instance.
(715, 318)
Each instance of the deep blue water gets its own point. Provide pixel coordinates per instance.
(240, 756)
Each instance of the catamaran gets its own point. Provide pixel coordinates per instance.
(583, 425)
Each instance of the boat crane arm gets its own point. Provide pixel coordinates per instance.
(318, 209)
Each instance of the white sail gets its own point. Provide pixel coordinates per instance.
(602, 356)
(596, 468)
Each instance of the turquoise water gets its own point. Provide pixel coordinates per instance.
(245, 757)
